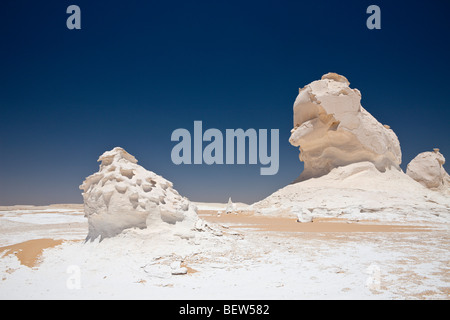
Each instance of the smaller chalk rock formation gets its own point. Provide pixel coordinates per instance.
(427, 168)
(122, 195)
(303, 215)
(231, 207)
(332, 129)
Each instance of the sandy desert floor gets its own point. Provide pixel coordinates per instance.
(43, 256)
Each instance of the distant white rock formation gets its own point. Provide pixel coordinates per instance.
(332, 129)
(303, 215)
(122, 195)
(427, 168)
(231, 207)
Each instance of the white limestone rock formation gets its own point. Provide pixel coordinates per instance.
(332, 129)
(122, 195)
(231, 207)
(352, 164)
(303, 215)
(427, 168)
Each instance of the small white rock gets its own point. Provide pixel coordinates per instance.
(175, 265)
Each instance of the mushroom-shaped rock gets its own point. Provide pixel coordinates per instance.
(332, 129)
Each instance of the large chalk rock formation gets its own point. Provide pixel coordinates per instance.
(122, 195)
(332, 129)
(353, 162)
(427, 168)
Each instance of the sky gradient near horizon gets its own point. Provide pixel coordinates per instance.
(138, 70)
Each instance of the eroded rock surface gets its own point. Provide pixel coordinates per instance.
(427, 168)
(332, 129)
(122, 195)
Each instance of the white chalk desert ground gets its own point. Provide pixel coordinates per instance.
(43, 255)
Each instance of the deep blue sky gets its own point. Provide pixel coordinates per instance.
(137, 70)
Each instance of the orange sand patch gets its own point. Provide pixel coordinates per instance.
(28, 252)
(286, 224)
(189, 269)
